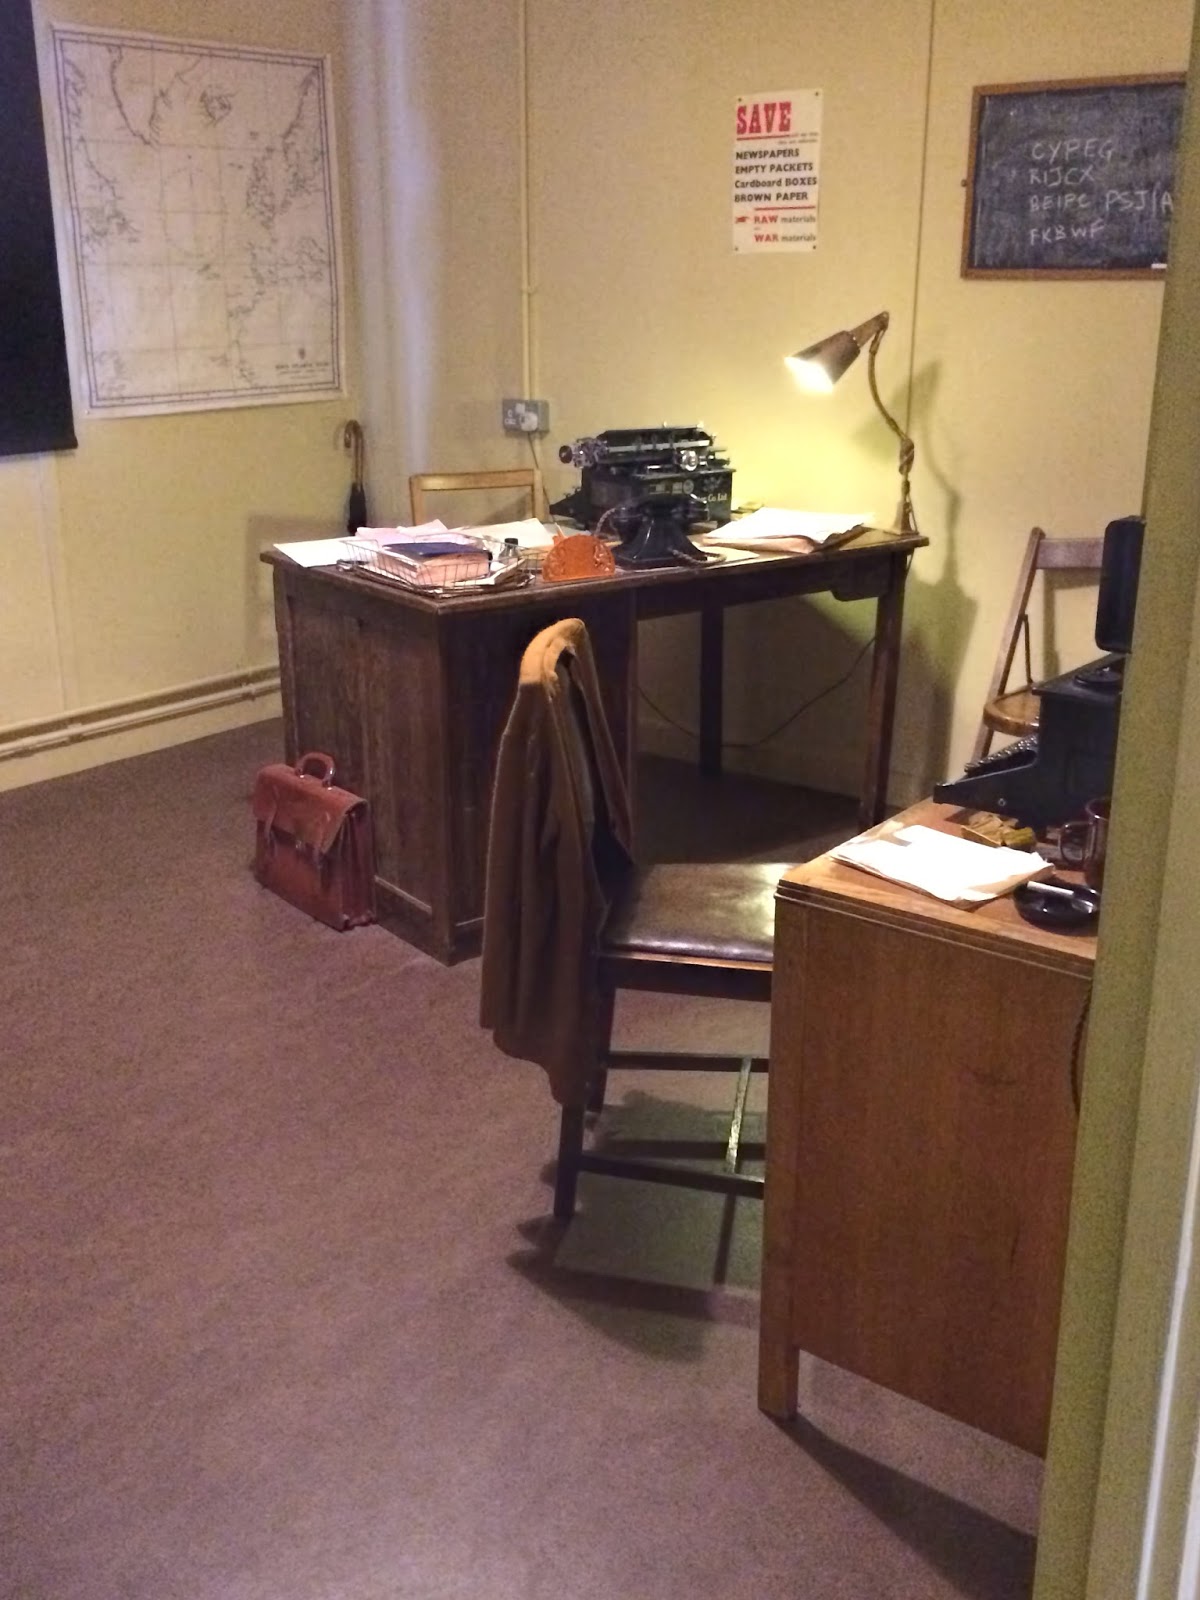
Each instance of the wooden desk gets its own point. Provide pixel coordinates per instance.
(409, 694)
(920, 1141)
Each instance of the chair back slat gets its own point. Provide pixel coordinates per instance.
(527, 478)
(1070, 555)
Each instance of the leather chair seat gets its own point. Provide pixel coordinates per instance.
(711, 912)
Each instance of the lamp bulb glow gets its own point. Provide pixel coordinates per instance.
(809, 375)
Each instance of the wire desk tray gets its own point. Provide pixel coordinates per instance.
(442, 575)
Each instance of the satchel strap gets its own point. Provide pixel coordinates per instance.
(322, 761)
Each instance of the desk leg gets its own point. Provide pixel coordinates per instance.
(287, 667)
(778, 1376)
(881, 706)
(712, 688)
(778, 1353)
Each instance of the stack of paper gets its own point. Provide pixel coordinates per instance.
(529, 534)
(397, 538)
(328, 552)
(430, 563)
(941, 864)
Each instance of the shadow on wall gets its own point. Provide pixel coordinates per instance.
(939, 620)
(259, 646)
(939, 616)
(797, 676)
(782, 656)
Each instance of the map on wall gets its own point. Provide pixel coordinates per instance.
(201, 186)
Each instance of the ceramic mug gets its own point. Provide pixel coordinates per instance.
(1084, 843)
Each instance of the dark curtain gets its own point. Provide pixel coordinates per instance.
(35, 394)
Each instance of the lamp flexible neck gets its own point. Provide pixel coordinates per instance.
(908, 451)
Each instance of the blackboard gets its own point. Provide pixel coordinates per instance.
(35, 391)
(1073, 179)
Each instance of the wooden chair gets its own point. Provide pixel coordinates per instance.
(527, 478)
(685, 929)
(1015, 711)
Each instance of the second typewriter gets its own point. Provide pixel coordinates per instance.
(1049, 777)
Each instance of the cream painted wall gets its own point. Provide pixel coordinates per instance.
(130, 566)
(1029, 402)
(436, 121)
(1041, 392)
(643, 314)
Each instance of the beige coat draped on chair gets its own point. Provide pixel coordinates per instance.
(558, 850)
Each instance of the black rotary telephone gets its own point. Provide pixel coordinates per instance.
(654, 531)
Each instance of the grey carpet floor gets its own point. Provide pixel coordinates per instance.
(283, 1314)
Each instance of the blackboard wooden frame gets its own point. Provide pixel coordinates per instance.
(1151, 106)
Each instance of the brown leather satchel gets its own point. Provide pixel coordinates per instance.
(313, 842)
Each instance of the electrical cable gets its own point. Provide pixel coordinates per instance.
(752, 744)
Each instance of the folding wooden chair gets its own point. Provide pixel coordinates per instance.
(1015, 711)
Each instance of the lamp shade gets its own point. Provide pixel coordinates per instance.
(821, 365)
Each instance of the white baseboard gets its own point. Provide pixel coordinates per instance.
(75, 741)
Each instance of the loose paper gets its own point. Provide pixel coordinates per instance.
(319, 552)
(775, 522)
(397, 538)
(941, 864)
(530, 534)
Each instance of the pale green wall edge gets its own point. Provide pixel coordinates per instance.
(1139, 1106)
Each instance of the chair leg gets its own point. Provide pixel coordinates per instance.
(598, 1082)
(570, 1148)
(732, 1148)
(572, 1123)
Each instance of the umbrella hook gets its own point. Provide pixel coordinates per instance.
(352, 439)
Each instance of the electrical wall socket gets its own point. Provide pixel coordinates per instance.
(525, 416)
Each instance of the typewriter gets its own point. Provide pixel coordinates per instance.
(1048, 777)
(623, 465)
(648, 486)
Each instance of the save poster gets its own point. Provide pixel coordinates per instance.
(776, 166)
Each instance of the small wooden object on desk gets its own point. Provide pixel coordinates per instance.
(920, 1140)
(577, 555)
(985, 827)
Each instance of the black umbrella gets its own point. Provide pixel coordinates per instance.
(356, 508)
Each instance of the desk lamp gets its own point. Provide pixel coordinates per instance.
(820, 366)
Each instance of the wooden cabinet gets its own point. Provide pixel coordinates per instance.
(921, 1131)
